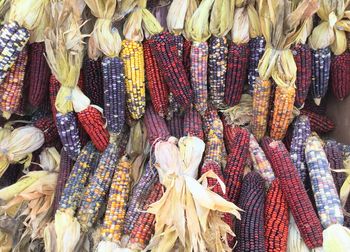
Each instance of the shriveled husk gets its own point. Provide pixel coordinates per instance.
(254, 22)
(188, 212)
(124, 7)
(198, 25)
(176, 16)
(150, 23)
(132, 29)
(336, 238)
(50, 159)
(333, 26)
(345, 188)
(221, 17)
(18, 146)
(295, 242)
(240, 29)
(240, 114)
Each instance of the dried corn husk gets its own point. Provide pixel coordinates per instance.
(254, 23)
(132, 29)
(18, 146)
(188, 209)
(221, 17)
(345, 189)
(150, 23)
(240, 29)
(240, 114)
(50, 159)
(176, 16)
(124, 7)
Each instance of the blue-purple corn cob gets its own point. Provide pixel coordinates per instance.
(257, 48)
(175, 125)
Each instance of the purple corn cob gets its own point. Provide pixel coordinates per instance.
(257, 48)
(93, 80)
(193, 125)
(175, 125)
(155, 125)
(179, 41)
(301, 132)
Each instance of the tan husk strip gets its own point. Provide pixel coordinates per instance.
(132, 29)
(176, 15)
(221, 17)
(150, 23)
(240, 29)
(254, 22)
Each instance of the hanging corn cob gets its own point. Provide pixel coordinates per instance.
(49, 129)
(335, 236)
(193, 123)
(156, 126)
(133, 58)
(93, 81)
(237, 59)
(176, 125)
(11, 88)
(293, 189)
(335, 160)
(319, 123)
(340, 77)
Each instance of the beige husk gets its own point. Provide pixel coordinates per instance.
(198, 25)
(192, 7)
(150, 23)
(124, 7)
(240, 114)
(240, 29)
(176, 16)
(295, 242)
(221, 20)
(254, 22)
(345, 188)
(336, 238)
(132, 29)
(37, 34)
(334, 23)
(188, 212)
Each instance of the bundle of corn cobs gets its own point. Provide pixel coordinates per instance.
(173, 125)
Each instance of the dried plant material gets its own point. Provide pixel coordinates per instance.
(132, 29)
(198, 25)
(240, 114)
(176, 16)
(254, 22)
(187, 213)
(240, 29)
(192, 7)
(221, 17)
(18, 146)
(345, 188)
(50, 159)
(150, 23)
(124, 7)
(38, 34)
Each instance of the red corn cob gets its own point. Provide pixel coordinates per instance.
(212, 183)
(156, 86)
(340, 76)
(187, 57)
(298, 201)
(155, 125)
(53, 90)
(236, 75)
(310, 105)
(319, 123)
(38, 74)
(48, 127)
(193, 124)
(276, 219)
(176, 125)
(93, 123)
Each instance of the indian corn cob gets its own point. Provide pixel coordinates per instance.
(311, 106)
(186, 57)
(157, 88)
(49, 129)
(293, 189)
(176, 125)
(156, 126)
(12, 85)
(319, 123)
(301, 131)
(38, 74)
(340, 78)
(53, 90)
(250, 229)
(193, 123)
(93, 80)
(256, 50)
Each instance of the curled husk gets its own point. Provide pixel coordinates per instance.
(221, 17)
(240, 114)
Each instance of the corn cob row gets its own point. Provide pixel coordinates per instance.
(179, 41)
(38, 74)
(156, 86)
(176, 125)
(134, 65)
(172, 69)
(321, 62)
(156, 126)
(48, 127)
(250, 229)
(87, 161)
(118, 196)
(12, 41)
(237, 63)
(53, 90)
(340, 78)
(293, 189)
(11, 88)
(193, 125)
(311, 106)
(114, 93)
(301, 132)
(186, 57)
(302, 56)
(217, 63)
(93, 80)
(256, 48)
(319, 123)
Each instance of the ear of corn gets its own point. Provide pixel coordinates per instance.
(132, 56)
(53, 90)
(256, 50)
(156, 126)
(293, 189)
(48, 127)
(176, 125)
(193, 125)
(319, 123)
(93, 80)
(340, 77)
(250, 229)
(38, 74)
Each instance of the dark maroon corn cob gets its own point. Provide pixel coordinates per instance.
(48, 127)
(257, 48)
(179, 41)
(68, 131)
(93, 80)
(250, 229)
(176, 125)
(172, 69)
(310, 105)
(53, 90)
(236, 75)
(217, 63)
(340, 76)
(12, 174)
(301, 131)
(302, 57)
(66, 164)
(319, 123)
(155, 125)
(298, 201)
(38, 74)
(213, 183)
(114, 93)
(321, 63)
(186, 57)
(193, 125)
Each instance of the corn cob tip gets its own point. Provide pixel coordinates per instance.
(317, 101)
(336, 238)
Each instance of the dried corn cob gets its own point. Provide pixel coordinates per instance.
(250, 229)
(335, 160)
(261, 98)
(156, 86)
(93, 80)
(68, 130)
(217, 63)
(11, 88)
(38, 74)
(311, 106)
(53, 90)
(321, 62)
(66, 164)
(302, 57)
(193, 124)
(176, 125)
(48, 127)
(276, 219)
(319, 123)
(336, 237)
(155, 125)
(116, 209)
(256, 50)
(301, 132)
(282, 111)
(340, 78)
(293, 189)
(186, 57)
(132, 56)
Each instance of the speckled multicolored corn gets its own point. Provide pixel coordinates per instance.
(319, 123)
(155, 125)
(176, 125)
(193, 125)
(257, 48)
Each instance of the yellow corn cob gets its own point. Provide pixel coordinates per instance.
(132, 56)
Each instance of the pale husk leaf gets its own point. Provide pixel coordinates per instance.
(37, 34)
(240, 114)
(254, 23)
(176, 16)
(132, 29)
(67, 229)
(221, 17)
(80, 100)
(336, 238)
(50, 159)
(150, 23)
(240, 29)
(192, 7)
(295, 242)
